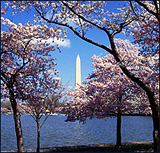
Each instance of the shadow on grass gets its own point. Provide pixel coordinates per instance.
(148, 147)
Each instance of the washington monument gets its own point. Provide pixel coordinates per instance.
(78, 71)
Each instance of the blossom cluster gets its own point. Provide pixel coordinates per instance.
(27, 67)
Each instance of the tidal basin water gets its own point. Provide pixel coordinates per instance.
(56, 132)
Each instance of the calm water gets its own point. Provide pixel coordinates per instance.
(56, 132)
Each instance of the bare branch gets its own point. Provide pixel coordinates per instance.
(133, 8)
(33, 116)
(44, 121)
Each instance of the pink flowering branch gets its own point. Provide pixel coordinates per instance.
(156, 14)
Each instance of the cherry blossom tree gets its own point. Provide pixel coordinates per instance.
(82, 16)
(147, 26)
(27, 69)
(43, 105)
(109, 92)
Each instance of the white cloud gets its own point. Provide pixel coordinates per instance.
(55, 41)
(63, 42)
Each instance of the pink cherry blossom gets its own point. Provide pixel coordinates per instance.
(26, 64)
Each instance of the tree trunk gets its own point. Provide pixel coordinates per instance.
(156, 133)
(155, 116)
(18, 129)
(149, 91)
(118, 130)
(38, 134)
(118, 145)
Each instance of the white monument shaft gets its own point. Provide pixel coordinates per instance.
(78, 71)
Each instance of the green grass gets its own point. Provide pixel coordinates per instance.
(146, 147)
(126, 147)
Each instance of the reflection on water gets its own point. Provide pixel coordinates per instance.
(56, 132)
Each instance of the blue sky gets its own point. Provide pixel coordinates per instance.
(66, 60)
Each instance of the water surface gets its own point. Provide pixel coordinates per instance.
(56, 132)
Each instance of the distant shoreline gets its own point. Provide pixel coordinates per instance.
(6, 114)
(121, 114)
(135, 115)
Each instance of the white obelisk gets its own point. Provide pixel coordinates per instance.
(78, 71)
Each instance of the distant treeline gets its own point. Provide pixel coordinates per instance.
(136, 114)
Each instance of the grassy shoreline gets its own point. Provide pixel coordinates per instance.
(144, 146)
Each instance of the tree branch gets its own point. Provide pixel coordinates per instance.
(133, 8)
(122, 25)
(25, 50)
(156, 6)
(33, 116)
(83, 18)
(71, 28)
(44, 121)
(3, 77)
(138, 80)
(81, 27)
(19, 90)
(24, 63)
(150, 11)
(15, 75)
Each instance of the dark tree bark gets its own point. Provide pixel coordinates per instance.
(38, 134)
(155, 116)
(118, 144)
(16, 114)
